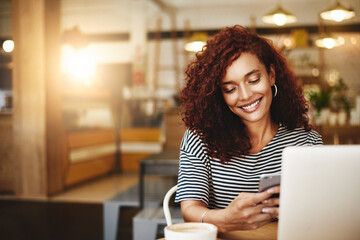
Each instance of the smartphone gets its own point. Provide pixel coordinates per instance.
(268, 181)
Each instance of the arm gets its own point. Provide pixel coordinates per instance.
(245, 212)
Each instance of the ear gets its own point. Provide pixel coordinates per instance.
(272, 75)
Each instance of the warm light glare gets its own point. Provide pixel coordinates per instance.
(337, 13)
(8, 46)
(341, 40)
(329, 42)
(127, 93)
(315, 72)
(79, 64)
(288, 43)
(279, 19)
(194, 46)
(353, 40)
(332, 77)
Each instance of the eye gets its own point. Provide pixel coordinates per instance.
(229, 90)
(254, 80)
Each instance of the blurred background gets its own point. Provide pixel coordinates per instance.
(90, 88)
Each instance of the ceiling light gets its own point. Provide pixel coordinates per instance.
(75, 38)
(195, 46)
(337, 13)
(329, 42)
(279, 17)
(8, 46)
(197, 42)
(79, 64)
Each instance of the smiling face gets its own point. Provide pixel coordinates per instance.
(246, 88)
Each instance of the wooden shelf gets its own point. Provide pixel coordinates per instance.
(344, 134)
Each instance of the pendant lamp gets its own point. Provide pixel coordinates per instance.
(279, 17)
(329, 42)
(197, 42)
(337, 13)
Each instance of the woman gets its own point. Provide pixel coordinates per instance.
(242, 107)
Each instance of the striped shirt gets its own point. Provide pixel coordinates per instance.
(207, 179)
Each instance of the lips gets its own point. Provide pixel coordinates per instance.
(251, 106)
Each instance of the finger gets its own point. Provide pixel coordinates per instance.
(259, 208)
(256, 213)
(254, 198)
(245, 195)
(271, 202)
(260, 219)
(250, 212)
(260, 197)
(274, 211)
(245, 199)
(275, 189)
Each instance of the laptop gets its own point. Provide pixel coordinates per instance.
(320, 193)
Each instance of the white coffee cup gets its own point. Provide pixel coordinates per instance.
(191, 231)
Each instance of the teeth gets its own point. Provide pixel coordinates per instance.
(252, 105)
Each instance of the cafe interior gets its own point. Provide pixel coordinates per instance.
(90, 127)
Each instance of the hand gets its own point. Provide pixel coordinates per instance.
(272, 204)
(245, 212)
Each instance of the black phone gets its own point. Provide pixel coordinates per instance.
(269, 180)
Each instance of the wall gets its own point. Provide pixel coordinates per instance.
(5, 18)
(344, 61)
(101, 17)
(6, 166)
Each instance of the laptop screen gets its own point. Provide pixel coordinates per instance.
(320, 193)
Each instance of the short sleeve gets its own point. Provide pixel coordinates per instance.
(193, 179)
(314, 138)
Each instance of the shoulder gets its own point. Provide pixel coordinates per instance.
(192, 144)
(300, 135)
(314, 138)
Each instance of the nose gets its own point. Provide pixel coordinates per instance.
(244, 93)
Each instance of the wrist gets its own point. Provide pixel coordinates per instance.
(203, 215)
(216, 217)
(223, 220)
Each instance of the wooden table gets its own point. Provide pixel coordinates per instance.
(267, 232)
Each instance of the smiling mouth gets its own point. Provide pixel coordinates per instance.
(252, 105)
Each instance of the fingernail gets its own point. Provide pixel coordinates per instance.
(270, 190)
(265, 201)
(265, 210)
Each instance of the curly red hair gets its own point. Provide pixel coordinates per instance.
(204, 109)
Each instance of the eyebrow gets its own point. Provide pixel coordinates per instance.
(246, 75)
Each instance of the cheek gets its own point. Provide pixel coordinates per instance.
(268, 89)
(264, 89)
(230, 100)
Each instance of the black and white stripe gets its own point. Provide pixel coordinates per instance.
(204, 178)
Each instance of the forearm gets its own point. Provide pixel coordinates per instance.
(245, 212)
(193, 212)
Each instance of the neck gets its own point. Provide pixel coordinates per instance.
(261, 133)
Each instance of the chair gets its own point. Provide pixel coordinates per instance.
(166, 205)
(149, 223)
